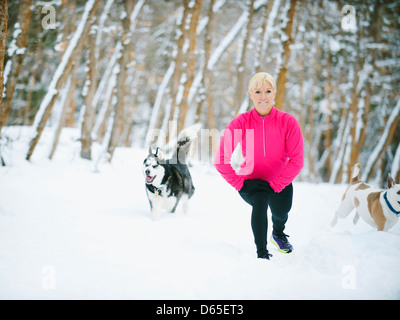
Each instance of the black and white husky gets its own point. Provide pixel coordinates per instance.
(169, 181)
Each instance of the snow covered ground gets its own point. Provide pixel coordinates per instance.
(69, 232)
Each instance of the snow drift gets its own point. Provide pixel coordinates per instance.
(70, 232)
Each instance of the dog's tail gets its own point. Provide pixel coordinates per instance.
(185, 141)
(355, 175)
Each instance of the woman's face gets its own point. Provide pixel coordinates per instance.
(263, 98)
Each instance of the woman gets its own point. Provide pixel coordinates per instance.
(272, 147)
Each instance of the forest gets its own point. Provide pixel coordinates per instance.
(122, 71)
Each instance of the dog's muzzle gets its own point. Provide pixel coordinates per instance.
(149, 179)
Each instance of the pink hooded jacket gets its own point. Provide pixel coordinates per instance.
(272, 147)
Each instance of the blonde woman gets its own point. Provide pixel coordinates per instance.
(273, 151)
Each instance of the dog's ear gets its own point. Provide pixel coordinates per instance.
(159, 154)
(391, 182)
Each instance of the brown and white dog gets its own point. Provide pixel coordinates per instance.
(378, 208)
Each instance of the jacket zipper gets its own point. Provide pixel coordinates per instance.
(264, 136)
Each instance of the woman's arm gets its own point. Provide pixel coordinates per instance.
(222, 161)
(295, 153)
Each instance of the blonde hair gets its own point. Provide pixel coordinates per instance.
(259, 78)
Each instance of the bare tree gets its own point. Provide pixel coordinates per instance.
(129, 23)
(242, 62)
(3, 39)
(281, 80)
(61, 74)
(190, 62)
(181, 30)
(339, 82)
(14, 65)
(89, 92)
(206, 81)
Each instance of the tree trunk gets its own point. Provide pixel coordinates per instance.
(395, 169)
(240, 91)
(190, 62)
(205, 89)
(3, 39)
(340, 142)
(89, 91)
(34, 77)
(16, 59)
(62, 72)
(281, 80)
(328, 131)
(262, 42)
(69, 15)
(353, 125)
(103, 95)
(157, 112)
(390, 128)
(178, 64)
(223, 46)
(65, 101)
(354, 108)
(119, 89)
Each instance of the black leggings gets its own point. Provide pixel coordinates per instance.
(259, 194)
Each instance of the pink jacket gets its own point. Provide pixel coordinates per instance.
(272, 147)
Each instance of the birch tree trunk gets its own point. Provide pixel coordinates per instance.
(17, 58)
(62, 72)
(65, 101)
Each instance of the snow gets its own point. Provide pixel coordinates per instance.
(334, 45)
(135, 14)
(69, 232)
